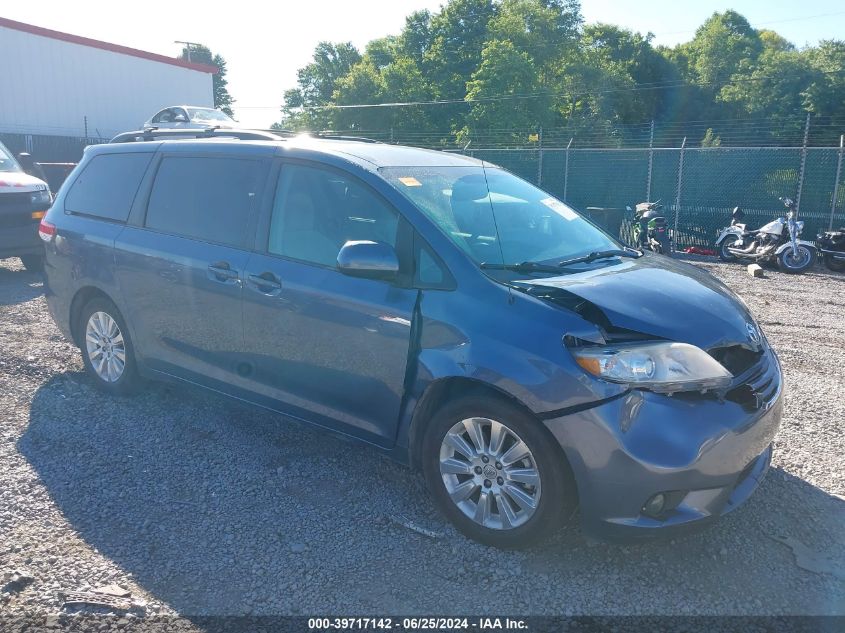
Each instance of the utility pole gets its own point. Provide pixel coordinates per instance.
(188, 46)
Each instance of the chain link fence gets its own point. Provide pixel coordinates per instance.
(698, 186)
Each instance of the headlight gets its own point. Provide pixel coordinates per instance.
(40, 197)
(661, 367)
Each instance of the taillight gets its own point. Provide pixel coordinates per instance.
(46, 231)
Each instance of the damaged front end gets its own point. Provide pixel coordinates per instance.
(689, 439)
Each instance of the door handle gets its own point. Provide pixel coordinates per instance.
(222, 272)
(266, 283)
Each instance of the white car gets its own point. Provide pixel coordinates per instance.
(24, 201)
(190, 117)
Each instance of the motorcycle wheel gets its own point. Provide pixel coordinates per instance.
(796, 262)
(836, 265)
(724, 254)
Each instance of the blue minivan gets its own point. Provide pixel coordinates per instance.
(436, 306)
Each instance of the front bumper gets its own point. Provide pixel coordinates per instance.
(20, 240)
(709, 455)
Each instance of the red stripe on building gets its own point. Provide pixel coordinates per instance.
(106, 46)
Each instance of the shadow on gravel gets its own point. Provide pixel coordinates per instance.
(220, 509)
(19, 285)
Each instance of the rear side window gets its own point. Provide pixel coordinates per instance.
(205, 198)
(107, 186)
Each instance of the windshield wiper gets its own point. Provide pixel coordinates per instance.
(600, 255)
(536, 267)
(523, 267)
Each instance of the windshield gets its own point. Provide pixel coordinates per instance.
(7, 161)
(496, 217)
(206, 114)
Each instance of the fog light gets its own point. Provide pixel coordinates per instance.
(655, 505)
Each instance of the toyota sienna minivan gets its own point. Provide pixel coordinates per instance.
(435, 306)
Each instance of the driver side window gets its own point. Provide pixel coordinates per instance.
(316, 211)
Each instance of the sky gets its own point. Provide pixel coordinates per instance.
(264, 43)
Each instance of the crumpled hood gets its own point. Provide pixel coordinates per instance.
(19, 182)
(661, 297)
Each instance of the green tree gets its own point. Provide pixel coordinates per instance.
(629, 70)
(721, 46)
(316, 84)
(504, 71)
(202, 55)
(825, 93)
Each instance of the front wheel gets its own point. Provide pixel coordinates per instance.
(836, 265)
(796, 261)
(495, 473)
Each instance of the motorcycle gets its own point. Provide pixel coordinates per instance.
(776, 241)
(650, 229)
(832, 247)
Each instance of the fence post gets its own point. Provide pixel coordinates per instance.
(803, 164)
(650, 162)
(566, 170)
(85, 122)
(836, 182)
(678, 194)
(540, 158)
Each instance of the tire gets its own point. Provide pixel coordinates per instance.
(793, 266)
(724, 254)
(98, 338)
(510, 523)
(836, 265)
(33, 263)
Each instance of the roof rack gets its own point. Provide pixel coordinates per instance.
(154, 133)
(323, 135)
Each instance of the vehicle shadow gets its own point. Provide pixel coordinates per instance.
(18, 285)
(220, 509)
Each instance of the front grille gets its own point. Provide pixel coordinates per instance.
(15, 209)
(12, 199)
(758, 386)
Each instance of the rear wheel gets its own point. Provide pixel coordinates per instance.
(33, 263)
(724, 254)
(796, 261)
(494, 472)
(107, 349)
(836, 265)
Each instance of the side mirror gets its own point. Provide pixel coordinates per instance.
(369, 260)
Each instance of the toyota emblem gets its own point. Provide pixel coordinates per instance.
(753, 333)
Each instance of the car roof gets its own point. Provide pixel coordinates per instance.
(367, 154)
(383, 154)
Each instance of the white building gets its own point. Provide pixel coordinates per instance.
(60, 84)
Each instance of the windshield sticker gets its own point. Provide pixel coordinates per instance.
(561, 209)
(410, 181)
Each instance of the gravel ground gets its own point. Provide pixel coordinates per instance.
(201, 506)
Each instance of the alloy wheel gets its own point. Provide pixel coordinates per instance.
(797, 259)
(490, 473)
(105, 347)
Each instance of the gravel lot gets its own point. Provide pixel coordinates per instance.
(201, 506)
